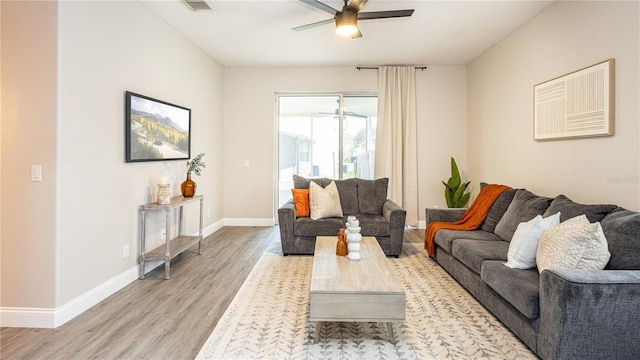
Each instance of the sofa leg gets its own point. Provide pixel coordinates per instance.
(285, 254)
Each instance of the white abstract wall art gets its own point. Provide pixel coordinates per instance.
(578, 104)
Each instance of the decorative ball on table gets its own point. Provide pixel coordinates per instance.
(188, 187)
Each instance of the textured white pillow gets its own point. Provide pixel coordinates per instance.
(574, 244)
(525, 240)
(324, 203)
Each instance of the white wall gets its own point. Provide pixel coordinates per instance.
(250, 112)
(65, 241)
(566, 37)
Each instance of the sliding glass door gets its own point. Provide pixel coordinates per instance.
(326, 135)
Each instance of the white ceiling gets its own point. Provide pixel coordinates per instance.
(258, 33)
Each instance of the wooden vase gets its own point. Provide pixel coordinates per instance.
(188, 187)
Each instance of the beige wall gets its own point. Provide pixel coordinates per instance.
(29, 110)
(65, 68)
(565, 37)
(250, 111)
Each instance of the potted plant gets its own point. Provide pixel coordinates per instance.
(195, 165)
(454, 188)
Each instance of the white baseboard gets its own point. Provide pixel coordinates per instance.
(27, 317)
(94, 296)
(422, 224)
(249, 222)
(52, 318)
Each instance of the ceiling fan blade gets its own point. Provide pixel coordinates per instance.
(312, 25)
(384, 14)
(358, 34)
(322, 6)
(357, 5)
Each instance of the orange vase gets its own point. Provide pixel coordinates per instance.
(341, 245)
(188, 187)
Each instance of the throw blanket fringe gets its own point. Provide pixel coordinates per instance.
(470, 220)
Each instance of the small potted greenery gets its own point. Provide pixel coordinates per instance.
(195, 165)
(454, 188)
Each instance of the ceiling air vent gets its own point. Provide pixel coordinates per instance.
(196, 5)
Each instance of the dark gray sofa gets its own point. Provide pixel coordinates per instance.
(366, 199)
(559, 314)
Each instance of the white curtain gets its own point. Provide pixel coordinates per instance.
(396, 142)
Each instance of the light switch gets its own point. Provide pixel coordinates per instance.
(246, 163)
(36, 172)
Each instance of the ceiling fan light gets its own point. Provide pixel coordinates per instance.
(346, 23)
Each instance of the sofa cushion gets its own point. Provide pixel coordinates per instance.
(524, 244)
(521, 288)
(473, 252)
(444, 237)
(371, 196)
(301, 201)
(301, 182)
(569, 209)
(497, 210)
(348, 190)
(304, 226)
(621, 227)
(524, 207)
(574, 244)
(373, 225)
(324, 203)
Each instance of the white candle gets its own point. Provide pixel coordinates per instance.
(164, 180)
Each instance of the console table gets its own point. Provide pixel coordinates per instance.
(172, 247)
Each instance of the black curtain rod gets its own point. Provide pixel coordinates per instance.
(376, 67)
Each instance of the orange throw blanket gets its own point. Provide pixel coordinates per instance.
(470, 220)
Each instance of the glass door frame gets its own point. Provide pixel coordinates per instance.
(276, 133)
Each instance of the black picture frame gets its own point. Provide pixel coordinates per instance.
(155, 130)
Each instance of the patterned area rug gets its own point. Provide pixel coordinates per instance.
(269, 318)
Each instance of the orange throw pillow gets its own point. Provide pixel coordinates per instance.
(301, 200)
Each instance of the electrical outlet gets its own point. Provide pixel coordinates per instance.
(164, 235)
(125, 251)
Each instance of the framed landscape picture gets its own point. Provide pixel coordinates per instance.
(156, 130)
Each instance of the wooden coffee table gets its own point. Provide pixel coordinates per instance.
(344, 290)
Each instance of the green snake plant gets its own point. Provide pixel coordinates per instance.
(454, 188)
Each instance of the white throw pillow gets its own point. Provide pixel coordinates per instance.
(525, 240)
(574, 244)
(324, 203)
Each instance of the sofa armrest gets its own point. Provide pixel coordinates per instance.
(396, 216)
(446, 215)
(589, 314)
(286, 219)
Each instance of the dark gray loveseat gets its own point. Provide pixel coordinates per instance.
(366, 199)
(559, 314)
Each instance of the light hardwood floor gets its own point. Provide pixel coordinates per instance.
(155, 318)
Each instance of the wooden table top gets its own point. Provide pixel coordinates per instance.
(337, 274)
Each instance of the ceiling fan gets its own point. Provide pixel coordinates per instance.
(347, 19)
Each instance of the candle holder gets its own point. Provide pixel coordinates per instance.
(164, 194)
